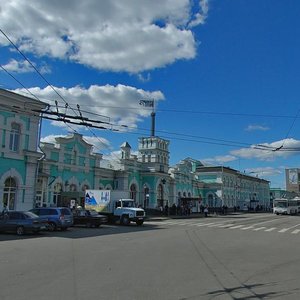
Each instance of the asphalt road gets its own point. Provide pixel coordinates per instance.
(248, 256)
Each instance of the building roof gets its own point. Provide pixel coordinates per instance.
(125, 145)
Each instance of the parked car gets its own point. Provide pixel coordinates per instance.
(56, 217)
(21, 222)
(89, 218)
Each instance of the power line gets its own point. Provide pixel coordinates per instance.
(224, 142)
(187, 137)
(43, 77)
(19, 82)
(190, 111)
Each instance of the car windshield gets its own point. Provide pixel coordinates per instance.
(29, 215)
(281, 204)
(93, 213)
(128, 204)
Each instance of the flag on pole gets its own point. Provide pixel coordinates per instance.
(147, 103)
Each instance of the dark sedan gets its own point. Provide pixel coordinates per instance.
(88, 218)
(21, 222)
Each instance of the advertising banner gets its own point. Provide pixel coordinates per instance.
(293, 176)
(98, 200)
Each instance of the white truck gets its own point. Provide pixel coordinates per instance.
(114, 204)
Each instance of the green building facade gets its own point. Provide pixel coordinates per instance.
(57, 174)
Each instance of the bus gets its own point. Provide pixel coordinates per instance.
(283, 206)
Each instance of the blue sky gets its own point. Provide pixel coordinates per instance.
(224, 74)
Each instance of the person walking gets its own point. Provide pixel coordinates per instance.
(206, 211)
(4, 211)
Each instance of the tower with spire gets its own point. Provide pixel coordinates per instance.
(153, 151)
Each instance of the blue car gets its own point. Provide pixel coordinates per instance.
(21, 222)
(56, 217)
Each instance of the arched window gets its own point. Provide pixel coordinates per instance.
(73, 188)
(85, 187)
(57, 194)
(14, 138)
(133, 192)
(210, 200)
(9, 195)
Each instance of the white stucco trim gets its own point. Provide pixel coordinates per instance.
(11, 173)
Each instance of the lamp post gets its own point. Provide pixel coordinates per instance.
(146, 195)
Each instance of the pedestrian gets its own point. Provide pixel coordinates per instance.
(206, 211)
(201, 208)
(178, 209)
(173, 209)
(161, 209)
(167, 210)
(4, 211)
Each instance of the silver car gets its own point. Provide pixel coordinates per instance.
(56, 217)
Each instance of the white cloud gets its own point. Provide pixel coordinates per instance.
(98, 143)
(51, 138)
(118, 105)
(219, 160)
(23, 66)
(144, 78)
(269, 151)
(264, 171)
(131, 36)
(112, 160)
(262, 152)
(201, 16)
(257, 127)
(18, 66)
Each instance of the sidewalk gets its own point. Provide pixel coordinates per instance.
(191, 216)
(199, 215)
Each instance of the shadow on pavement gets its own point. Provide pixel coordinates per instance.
(79, 232)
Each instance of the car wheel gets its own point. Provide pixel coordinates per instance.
(89, 225)
(125, 220)
(36, 231)
(64, 228)
(52, 226)
(97, 225)
(139, 222)
(20, 230)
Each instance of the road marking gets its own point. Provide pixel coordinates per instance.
(216, 225)
(259, 228)
(270, 229)
(253, 227)
(237, 226)
(283, 230)
(168, 223)
(245, 228)
(226, 225)
(205, 224)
